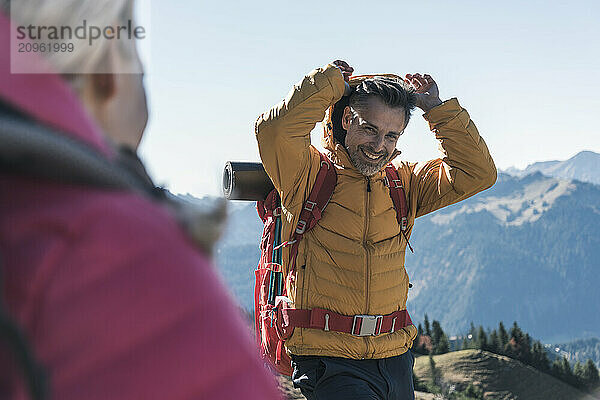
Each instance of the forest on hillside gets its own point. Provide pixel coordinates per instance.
(514, 343)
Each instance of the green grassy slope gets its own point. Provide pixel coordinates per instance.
(501, 377)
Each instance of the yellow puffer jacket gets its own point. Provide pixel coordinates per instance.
(352, 262)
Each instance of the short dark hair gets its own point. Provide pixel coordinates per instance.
(394, 93)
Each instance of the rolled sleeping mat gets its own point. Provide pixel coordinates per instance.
(246, 181)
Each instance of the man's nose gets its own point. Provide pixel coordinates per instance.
(378, 144)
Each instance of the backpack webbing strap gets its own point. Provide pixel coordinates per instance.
(398, 197)
(313, 207)
(327, 320)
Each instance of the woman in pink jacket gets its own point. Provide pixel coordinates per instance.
(114, 299)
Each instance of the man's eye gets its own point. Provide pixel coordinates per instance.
(371, 130)
(393, 137)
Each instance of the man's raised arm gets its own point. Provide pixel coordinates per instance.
(283, 133)
(465, 167)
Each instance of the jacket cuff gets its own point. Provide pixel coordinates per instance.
(336, 79)
(443, 113)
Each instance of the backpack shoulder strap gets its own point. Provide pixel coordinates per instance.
(313, 207)
(398, 196)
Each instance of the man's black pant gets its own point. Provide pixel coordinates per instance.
(331, 378)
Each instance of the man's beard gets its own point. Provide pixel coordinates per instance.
(363, 166)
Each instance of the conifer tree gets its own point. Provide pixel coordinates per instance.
(439, 340)
(465, 344)
(525, 355)
(539, 357)
(482, 341)
(502, 338)
(427, 328)
(443, 345)
(561, 369)
(578, 372)
(493, 342)
(586, 376)
(568, 372)
(436, 334)
(519, 345)
(589, 376)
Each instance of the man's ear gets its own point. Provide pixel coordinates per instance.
(346, 117)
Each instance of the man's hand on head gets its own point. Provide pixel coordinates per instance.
(428, 94)
(346, 71)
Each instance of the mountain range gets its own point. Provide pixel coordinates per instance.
(526, 250)
(584, 166)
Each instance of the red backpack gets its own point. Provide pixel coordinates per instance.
(275, 320)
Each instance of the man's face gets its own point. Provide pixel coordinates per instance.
(372, 134)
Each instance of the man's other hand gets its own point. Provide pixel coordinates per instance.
(346, 69)
(428, 94)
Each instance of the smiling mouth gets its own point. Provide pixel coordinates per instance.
(371, 156)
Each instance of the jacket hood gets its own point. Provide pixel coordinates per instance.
(336, 150)
(46, 98)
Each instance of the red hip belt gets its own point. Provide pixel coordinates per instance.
(357, 325)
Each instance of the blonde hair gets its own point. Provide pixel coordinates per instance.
(56, 13)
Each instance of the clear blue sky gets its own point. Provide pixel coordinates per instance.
(527, 72)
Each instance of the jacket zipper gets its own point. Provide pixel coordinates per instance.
(365, 244)
(367, 252)
(303, 269)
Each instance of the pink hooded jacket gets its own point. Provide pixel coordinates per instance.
(115, 301)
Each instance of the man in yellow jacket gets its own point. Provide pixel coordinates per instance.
(352, 262)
